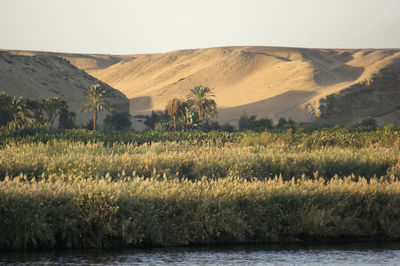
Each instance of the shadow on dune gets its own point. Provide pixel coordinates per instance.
(287, 105)
(140, 104)
(330, 67)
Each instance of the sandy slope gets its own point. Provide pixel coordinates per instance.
(266, 81)
(51, 76)
(327, 85)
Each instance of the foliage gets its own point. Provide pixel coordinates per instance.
(156, 117)
(283, 123)
(188, 119)
(90, 189)
(18, 114)
(199, 100)
(95, 102)
(53, 107)
(367, 123)
(66, 119)
(109, 137)
(250, 123)
(70, 212)
(118, 121)
(36, 107)
(208, 126)
(245, 121)
(185, 160)
(24, 113)
(388, 136)
(175, 109)
(5, 108)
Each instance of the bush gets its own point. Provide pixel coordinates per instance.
(209, 126)
(250, 123)
(66, 119)
(156, 117)
(368, 123)
(283, 123)
(118, 121)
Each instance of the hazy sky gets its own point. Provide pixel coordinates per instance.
(146, 26)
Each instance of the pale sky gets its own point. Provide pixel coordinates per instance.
(153, 26)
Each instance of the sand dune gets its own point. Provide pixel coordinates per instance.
(51, 76)
(323, 85)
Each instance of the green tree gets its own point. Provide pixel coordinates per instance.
(66, 119)
(199, 100)
(5, 108)
(187, 118)
(95, 102)
(246, 122)
(20, 114)
(14, 113)
(155, 118)
(36, 107)
(118, 120)
(53, 107)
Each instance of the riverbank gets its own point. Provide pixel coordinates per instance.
(289, 187)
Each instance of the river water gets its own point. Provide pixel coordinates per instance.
(344, 254)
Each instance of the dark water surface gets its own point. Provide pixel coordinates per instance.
(344, 254)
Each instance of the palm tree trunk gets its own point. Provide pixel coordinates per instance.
(201, 115)
(94, 118)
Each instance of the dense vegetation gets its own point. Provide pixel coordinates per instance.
(308, 138)
(136, 212)
(82, 188)
(184, 160)
(189, 182)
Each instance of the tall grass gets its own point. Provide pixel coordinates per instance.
(102, 190)
(336, 137)
(68, 211)
(184, 160)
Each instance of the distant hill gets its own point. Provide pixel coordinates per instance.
(325, 86)
(48, 76)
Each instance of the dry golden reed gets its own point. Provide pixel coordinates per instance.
(194, 161)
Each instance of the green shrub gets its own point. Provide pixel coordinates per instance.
(118, 121)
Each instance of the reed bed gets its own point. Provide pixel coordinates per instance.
(184, 160)
(78, 194)
(71, 211)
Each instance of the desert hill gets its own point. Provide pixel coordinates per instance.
(48, 76)
(337, 86)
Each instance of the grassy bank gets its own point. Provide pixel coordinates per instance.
(77, 212)
(185, 160)
(74, 192)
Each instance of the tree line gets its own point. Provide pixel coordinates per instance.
(194, 112)
(18, 112)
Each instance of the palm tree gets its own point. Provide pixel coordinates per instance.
(199, 99)
(52, 107)
(95, 102)
(5, 108)
(14, 112)
(20, 114)
(174, 109)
